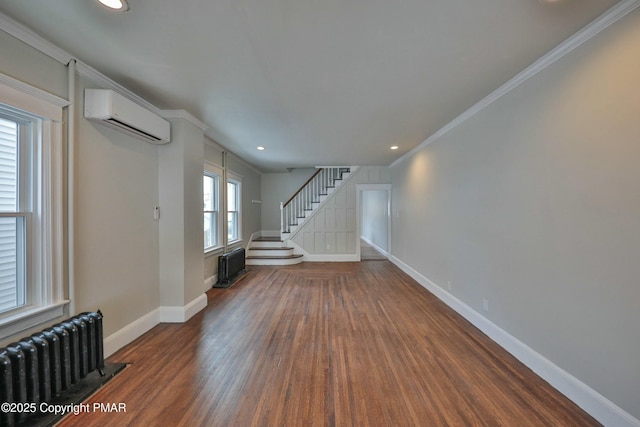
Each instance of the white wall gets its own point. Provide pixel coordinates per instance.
(278, 188)
(181, 235)
(116, 185)
(116, 238)
(20, 61)
(533, 204)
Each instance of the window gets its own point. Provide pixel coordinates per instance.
(211, 200)
(215, 202)
(233, 210)
(31, 196)
(15, 136)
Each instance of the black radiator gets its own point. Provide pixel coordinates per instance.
(229, 265)
(40, 367)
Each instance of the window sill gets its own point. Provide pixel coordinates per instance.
(29, 318)
(220, 249)
(213, 251)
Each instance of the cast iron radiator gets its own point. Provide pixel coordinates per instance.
(229, 265)
(40, 367)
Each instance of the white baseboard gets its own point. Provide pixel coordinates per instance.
(330, 258)
(129, 333)
(210, 281)
(182, 314)
(599, 407)
(137, 328)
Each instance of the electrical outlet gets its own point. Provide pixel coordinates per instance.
(485, 304)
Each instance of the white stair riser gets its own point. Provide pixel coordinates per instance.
(288, 261)
(270, 252)
(255, 244)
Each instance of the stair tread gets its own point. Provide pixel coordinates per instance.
(269, 249)
(268, 239)
(275, 257)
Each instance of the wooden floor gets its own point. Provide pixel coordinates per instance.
(315, 344)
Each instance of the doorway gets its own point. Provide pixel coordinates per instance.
(374, 229)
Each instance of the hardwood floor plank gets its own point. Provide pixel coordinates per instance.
(326, 344)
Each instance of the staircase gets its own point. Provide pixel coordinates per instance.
(293, 213)
(309, 197)
(271, 251)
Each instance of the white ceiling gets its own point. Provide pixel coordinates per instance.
(316, 82)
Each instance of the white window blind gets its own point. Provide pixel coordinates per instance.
(11, 223)
(233, 210)
(211, 190)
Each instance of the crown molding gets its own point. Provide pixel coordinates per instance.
(244, 162)
(216, 145)
(211, 143)
(184, 114)
(24, 34)
(611, 16)
(105, 82)
(29, 37)
(39, 43)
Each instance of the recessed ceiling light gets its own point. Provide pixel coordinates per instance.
(394, 147)
(261, 148)
(119, 5)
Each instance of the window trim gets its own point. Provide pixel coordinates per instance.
(46, 258)
(213, 169)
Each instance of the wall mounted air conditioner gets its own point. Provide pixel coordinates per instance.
(114, 110)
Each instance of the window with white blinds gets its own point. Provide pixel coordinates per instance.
(12, 218)
(32, 251)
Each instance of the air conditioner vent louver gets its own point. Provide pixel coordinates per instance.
(134, 130)
(114, 110)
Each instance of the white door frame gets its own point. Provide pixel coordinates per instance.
(372, 187)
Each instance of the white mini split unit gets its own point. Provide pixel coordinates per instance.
(114, 110)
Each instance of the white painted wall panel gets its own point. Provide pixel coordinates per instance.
(330, 241)
(341, 242)
(318, 242)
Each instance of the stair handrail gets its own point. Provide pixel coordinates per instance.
(284, 205)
